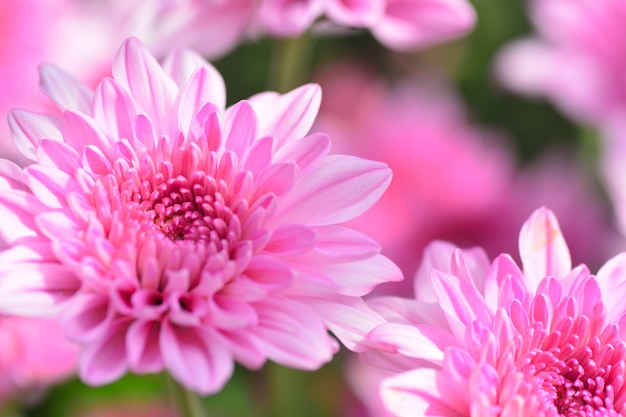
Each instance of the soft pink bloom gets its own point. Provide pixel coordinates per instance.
(180, 235)
(495, 339)
(578, 59)
(33, 355)
(403, 25)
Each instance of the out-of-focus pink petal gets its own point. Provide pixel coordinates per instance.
(360, 13)
(422, 342)
(142, 347)
(66, 91)
(288, 17)
(543, 248)
(413, 24)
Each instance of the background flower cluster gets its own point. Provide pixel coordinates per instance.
(485, 111)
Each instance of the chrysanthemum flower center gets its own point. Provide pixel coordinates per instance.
(184, 210)
(580, 375)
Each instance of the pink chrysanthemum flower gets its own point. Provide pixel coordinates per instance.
(180, 235)
(494, 340)
(34, 354)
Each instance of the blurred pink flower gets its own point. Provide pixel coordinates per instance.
(180, 235)
(33, 355)
(578, 60)
(403, 25)
(452, 180)
(82, 36)
(486, 339)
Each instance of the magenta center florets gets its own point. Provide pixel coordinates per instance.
(194, 211)
(579, 375)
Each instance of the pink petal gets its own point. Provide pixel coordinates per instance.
(17, 210)
(66, 91)
(154, 92)
(414, 24)
(200, 85)
(304, 151)
(54, 154)
(346, 185)
(28, 128)
(417, 393)
(460, 300)
(344, 244)
(195, 358)
(420, 342)
(80, 130)
(291, 240)
(114, 108)
(288, 116)
(240, 126)
(288, 18)
(612, 281)
(358, 13)
(50, 185)
(36, 289)
(349, 318)
(290, 333)
(543, 249)
(86, 318)
(360, 277)
(142, 347)
(106, 361)
(409, 311)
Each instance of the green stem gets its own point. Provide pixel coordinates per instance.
(290, 63)
(188, 403)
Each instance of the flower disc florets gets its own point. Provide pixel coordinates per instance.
(548, 341)
(179, 234)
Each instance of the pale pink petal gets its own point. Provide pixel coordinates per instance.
(142, 347)
(349, 318)
(52, 153)
(288, 17)
(196, 358)
(335, 241)
(420, 342)
(347, 185)
(80, 130)
(543, 248)
(287, 116)
(414, 24)
(153, 91)
(612, 281)
(17, 210)
(66, 91)
(104, 362)
(50, 185)
(291, 334)
(305, 151)
(360, 13)
(408, 311)
(28, 128)
(291, 240)
(241, 127)
(417, 393)
(358, 278)
(460, 300)
(86, 318)
(113, 107)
